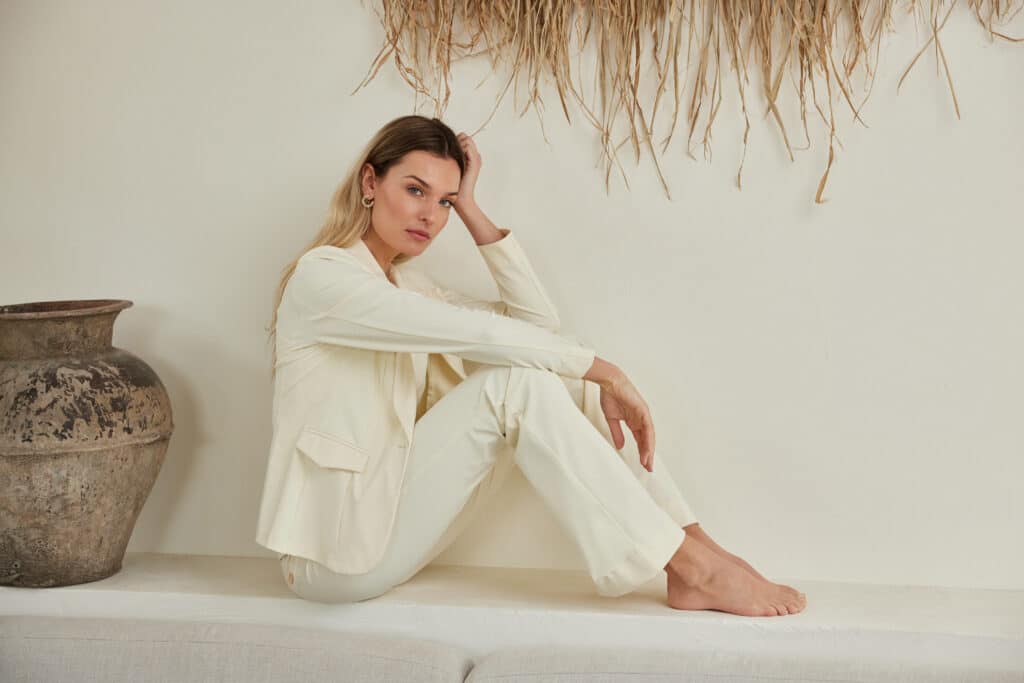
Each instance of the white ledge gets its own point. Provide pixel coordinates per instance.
(487, 609)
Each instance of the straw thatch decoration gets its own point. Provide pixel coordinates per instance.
(825, 43)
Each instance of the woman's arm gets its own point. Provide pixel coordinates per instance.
(520, 289)
(477, 222)
(521, 292)
(619, 398)
(333, 300)
(604, 373)
(621, 401)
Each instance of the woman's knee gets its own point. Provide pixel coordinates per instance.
(518, 375)
(539, 377)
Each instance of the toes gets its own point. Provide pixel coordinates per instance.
(795, 596)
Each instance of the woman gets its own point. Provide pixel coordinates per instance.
(399, 405)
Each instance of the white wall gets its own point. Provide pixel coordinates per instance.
(837, 388)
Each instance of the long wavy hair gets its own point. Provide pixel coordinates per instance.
(347, 219)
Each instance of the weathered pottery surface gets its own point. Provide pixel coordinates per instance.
(84, 428)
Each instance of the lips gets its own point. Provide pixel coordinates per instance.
(419, 233)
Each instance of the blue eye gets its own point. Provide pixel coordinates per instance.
(413, 188)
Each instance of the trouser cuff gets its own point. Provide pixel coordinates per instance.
(643, 564)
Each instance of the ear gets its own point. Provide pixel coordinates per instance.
(368, 180)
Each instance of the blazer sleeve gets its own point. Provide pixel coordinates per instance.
(522, 295)
(340, 302)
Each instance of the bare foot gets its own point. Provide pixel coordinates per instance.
(697, 532)
(699, 579)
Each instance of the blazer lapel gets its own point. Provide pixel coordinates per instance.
(365, 257)
(444, 371)
(403, 396)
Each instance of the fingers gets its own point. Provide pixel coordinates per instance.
(617, 436)
(649, 430)
(644, 435)
(626, 402)
(641, 444)
(643, 440)
(468, 144)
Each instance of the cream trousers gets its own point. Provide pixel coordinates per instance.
(626, 521)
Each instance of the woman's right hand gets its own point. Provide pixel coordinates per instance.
(620, 400)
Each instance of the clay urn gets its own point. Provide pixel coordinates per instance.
(84, 428)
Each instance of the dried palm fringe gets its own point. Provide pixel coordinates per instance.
(823, 41)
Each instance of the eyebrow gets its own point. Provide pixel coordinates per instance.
(425, 183)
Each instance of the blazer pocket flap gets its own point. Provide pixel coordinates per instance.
(329, 451)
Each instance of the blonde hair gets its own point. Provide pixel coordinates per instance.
(347, 219)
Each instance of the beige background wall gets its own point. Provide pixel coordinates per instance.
(837, 388)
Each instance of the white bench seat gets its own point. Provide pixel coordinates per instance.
(532, 624)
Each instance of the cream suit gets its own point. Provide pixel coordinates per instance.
(501, 385)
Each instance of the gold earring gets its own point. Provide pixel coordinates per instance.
(367, 202)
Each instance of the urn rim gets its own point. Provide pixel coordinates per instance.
(66, 308)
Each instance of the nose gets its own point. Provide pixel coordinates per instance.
(428, 218)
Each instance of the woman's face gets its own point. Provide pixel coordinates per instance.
(416, 195)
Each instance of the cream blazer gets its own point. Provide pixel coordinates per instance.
(345, 403)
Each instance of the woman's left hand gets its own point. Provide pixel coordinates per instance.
(620, 400)
(468, 185)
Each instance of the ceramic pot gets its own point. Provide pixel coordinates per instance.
(84, 428)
